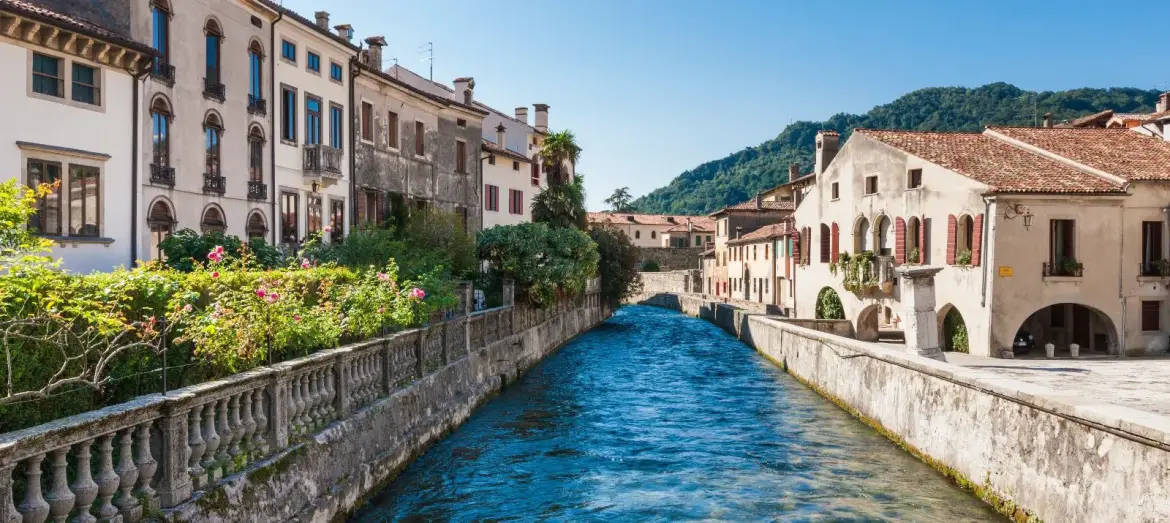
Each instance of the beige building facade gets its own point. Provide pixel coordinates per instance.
(657, 230)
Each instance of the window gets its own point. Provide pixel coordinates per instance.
(419, 135)
(460, 157)
(213, 221)
(336, 220)
(637, 235)
(836, 191)
(1061, 242)
(84, 201)
(515, 165)
(314, 215)
(335, 71)
(313, 61)
(491, 159)
(288, 114)
(211, 134)
(85, 84)
(212, 37)
(914, 179)
(312, 120)
(256, 156)
(288, 51)
(515, 201)
(255, 74)
(653, 234)
(1151, 316)
(160, 118)
(161, 222)
(336, 120)
(491, 197)
(461, 122)
(367, 121)
(47, 75)
(1151, 248)
(288, 217)
(535, 173)
(255, 227)
(160, 30)
(871, 186)
(392, 130)
(47, 220)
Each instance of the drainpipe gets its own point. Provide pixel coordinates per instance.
(134, 159)
(354, 72)
(987, 219)
(273, 133)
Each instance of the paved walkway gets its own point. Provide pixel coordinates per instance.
(1138, 383)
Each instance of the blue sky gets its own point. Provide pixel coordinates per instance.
(653, 88)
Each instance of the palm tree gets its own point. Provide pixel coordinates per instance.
(558, 153)
(562, 205)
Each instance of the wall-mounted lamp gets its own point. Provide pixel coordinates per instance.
(1011, 211)
(316, 186)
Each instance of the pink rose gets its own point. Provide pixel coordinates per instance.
(214, 256)
(215, 274)
(271, 298)
(305, 263)
(297, 317)
(219, 250)
(417, 293)
(187, 308)
(260, 293)
(381, 310)
(383, 276)
(328, 228)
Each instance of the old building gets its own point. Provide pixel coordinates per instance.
(732, 223)
(654, 230)
(1053, 234)
(65, 69)
(760, 266)
(205, 144)
(416, 149)
(509, 183)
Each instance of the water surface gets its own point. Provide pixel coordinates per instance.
(654, 416)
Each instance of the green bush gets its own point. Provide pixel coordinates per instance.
(617, 266)
(185, 249)
(544, 262)
(829, 305)
(955, 332)
(650, 266)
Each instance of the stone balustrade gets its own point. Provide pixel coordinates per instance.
(132, 460)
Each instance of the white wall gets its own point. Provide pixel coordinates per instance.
(501, 175)
(105, 130)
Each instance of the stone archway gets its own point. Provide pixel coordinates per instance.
(1063, 324)
(952, 330)
(868, 322)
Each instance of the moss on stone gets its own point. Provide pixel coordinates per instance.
(214, 501)
(277, 466)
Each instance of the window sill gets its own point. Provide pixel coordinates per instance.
(336, 81)
(78, 240)
(909, 189)
(1063, 279)
(1152, 279)
(834, 199)
(292, 143)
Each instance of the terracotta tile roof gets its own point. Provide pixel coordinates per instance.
(697, 224)
(491, 147)
(72, 23)
(767, 232)
(651, 219)
(310, 24)
(1001, 166)
(765, 206)
(1120, 152)
(1156, 117)
(1096, 119)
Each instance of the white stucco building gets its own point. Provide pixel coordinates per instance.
(70, 122)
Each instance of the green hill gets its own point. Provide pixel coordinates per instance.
(741, 175)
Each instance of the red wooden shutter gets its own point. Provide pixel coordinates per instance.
(952, 226)
(899, 240)
(977, 242)
(361, 207)
(380, 207)
(796, 246)
(922, 248)
(836, 242)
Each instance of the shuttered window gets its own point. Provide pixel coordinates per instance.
(1151, 316)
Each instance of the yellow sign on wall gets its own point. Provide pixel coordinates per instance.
(1005, 272)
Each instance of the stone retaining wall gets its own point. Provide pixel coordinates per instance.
(1026, 449)
(671, 258)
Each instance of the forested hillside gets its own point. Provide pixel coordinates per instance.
(741, 175)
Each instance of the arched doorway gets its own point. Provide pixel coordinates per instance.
(829, 305)
(256, 227)
(1064, 324)
(952, 330)
(213, 220)
(161, 221)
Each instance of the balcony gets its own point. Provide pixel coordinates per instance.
(257, 106)
(214, 184)
(257, 191)
(1154, 269)
(162, 175)
(213, 90)
(1067, 268)
(323, 160)
(163, 72)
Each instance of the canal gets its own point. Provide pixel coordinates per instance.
(656, 416)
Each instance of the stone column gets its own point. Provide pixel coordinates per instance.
(921, 320)
(509, 293)
(278, 392)
(466, 297)
(174, 481)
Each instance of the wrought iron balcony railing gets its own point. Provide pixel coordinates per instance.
(214, 184)
(214, 90)
(257, 106)
(162, 175)
(257, 191)
(1066, 268)
(163, 72)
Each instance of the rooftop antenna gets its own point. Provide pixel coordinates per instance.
(395, 60)
(428, 52)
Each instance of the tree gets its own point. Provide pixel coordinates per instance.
(829, 305)
(618, 267)
(562, 205)
(620, 200)
(558, 153)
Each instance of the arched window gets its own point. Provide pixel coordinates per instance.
(637, 234)
(161, 31)
(965, 233)
(160, 117)
(213, 220)
(256, 159)
(653, 234)
(883, 230)
(826, 243)
(212, 131)
(161, 222)
(861, 235)
(914, 247)
(255, 74)
(212, 80)
(256, 226)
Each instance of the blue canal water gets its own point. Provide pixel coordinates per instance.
(654, 416)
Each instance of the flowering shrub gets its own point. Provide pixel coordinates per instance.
(186, 248)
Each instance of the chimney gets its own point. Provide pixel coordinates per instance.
(345, 31)
(826, 149)
(501, 136)
(1047, 120)
(541, 117)
(522, 114)
(738, 232)
(465, 87)
(323, 20)
(1163, 102)
(793, 171)
(759, 201)
(376, 43)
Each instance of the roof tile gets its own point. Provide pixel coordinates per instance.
(1120, 152)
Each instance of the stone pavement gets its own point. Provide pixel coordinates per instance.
(1137, 383)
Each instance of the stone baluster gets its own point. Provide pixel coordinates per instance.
(367, 379)
(8, 512)
(327, 394)
(315, 398)
(298, 415)
(59, 497)
(225, 435)
(212, 443)
(248, 421)
(34, 507)
(83, 485)
(107, 480)
(342, 386)
(359, 382)
(196, 446)
(307, 403)
(294, 396)
(237, 427)
(260, 442)
(127, 476)
(147, 466)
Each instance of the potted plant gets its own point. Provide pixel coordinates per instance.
(1071, 267)
(915, 257)
(1163, 267)
(963, 257)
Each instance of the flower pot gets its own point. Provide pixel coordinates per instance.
(1074, 350)
(1049, 350)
